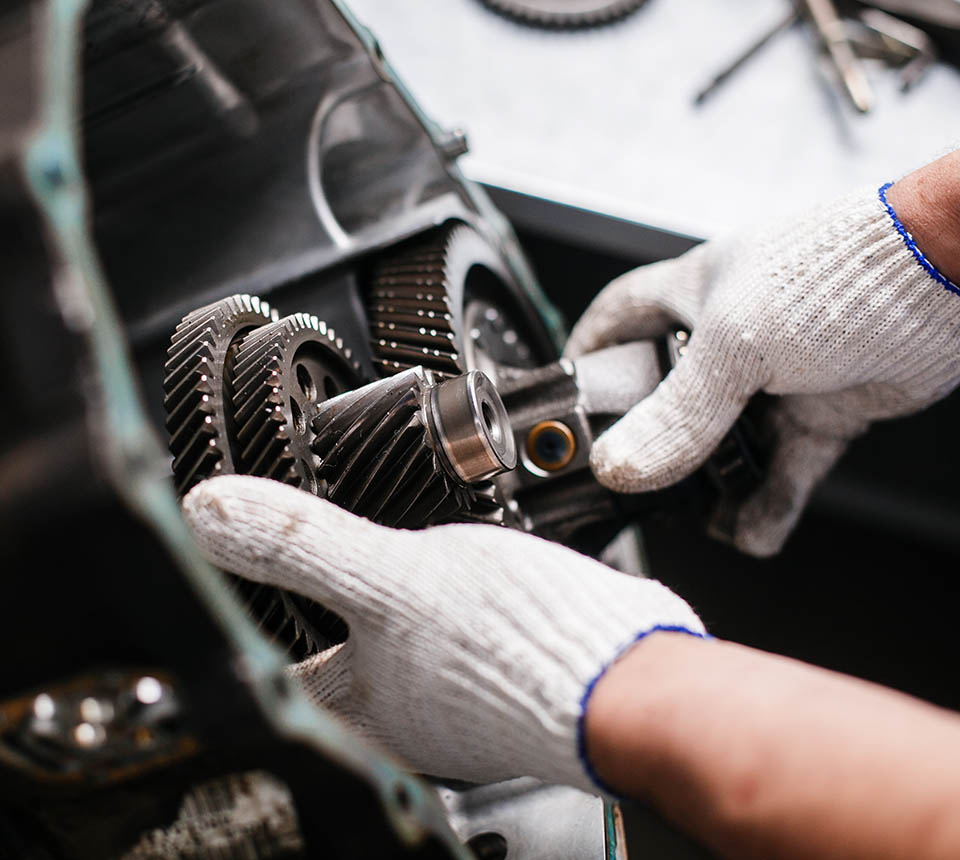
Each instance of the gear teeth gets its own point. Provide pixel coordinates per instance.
(376, 456)
(554, 15)
(204, 377)
(411, 319)
(195, 400)
(484, 506)
(273, 443)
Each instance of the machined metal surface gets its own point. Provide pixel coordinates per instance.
(383, 451)
(283, 371)
(470, 421)
(420, 299)
(197, 398)
(523, 819)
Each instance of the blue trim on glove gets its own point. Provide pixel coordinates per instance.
(584, 699)
(928, 267)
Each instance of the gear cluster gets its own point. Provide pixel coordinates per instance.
(250, 392)
(240, 385)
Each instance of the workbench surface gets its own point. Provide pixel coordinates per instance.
(604, 119)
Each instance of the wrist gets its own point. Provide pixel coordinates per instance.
(628, 711)
(927, 205)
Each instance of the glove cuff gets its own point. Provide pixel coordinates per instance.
(927, 266)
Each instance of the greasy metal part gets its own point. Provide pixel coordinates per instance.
(467, 416)
(541, 501)
(551, 445)
(282, 371)
(532, 397)
(533, 821)
(99, 725)
(196, 396)
(383, 451)
(565, 13)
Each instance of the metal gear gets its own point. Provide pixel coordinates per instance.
(283, 370)
(408, 451)
(204, 357)
(416, 296)
(566, 14)
(196, 373)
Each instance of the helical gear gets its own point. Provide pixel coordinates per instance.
(378, 459)
(382, 452)
(195, 385)
(201, 367)
(414, 305)
(283, 370)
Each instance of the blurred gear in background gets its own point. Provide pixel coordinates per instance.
(565, 14)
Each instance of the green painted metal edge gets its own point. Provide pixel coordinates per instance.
(132, 455)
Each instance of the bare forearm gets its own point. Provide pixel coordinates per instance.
(927, 202)
(764, 757)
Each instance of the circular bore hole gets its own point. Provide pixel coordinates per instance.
(330, 387)
(490, 421)
(488, 846)
(551, 445)
(306, 383)
(299, 421)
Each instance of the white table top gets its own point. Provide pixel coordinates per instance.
(604, 119)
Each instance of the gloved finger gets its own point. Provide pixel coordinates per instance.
(673, 431)
(276, 534)
(643, 303)
(613, 380)
(327, 677)
(811, 437)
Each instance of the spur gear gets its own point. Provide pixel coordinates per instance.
(565, 13)
(282, 371)
(416, 296)
(196, 374)
(407, 451)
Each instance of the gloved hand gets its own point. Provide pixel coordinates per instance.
(836, 310)
(472, 648)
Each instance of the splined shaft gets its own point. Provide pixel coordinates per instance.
(407, 450)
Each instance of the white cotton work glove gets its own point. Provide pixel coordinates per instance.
(472, 648)
(835, 310)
